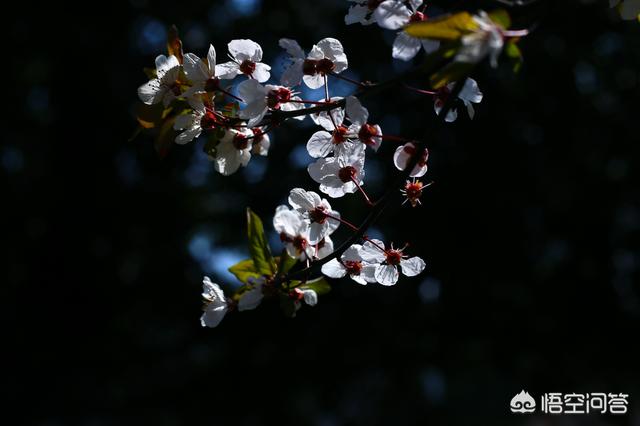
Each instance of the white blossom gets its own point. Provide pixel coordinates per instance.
(201, 73)
(260, 99)
(164, 88)
(388, 261)
(261, 142)
(215, 303)
(393, 15)
(469, 95)
(403, 155)
(294, 233)
(245, 59)
(200, 118)
(339, 175)
(368, 134)
(361, 12)
(233, 151)
(351, 263)
(325, 57)
(486, 40)
(322, 219)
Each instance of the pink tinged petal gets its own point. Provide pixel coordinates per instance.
(195, 69)
(262, 72)
(313, 81)
(357, 14)
(470, 91)
(430, 46)
(412, 267)
(386, 274)
(251, 299)
(164, 64)
(368, 273)
(405, 47)
(355, 111)
(245, 49)
(303, 200)
(151, 92)
(392, 14)
(372, 251)
(211, 61)
(310, 297)
(291, 47)
(228, 70)
(334, 269)
(320, 144)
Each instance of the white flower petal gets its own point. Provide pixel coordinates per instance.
(195, 69)
(310, 297)
(315, 81)
(245, 49)
(372, 251)
(292, 76)
(151, 92)
(300, 199)
(392, 14)
(251, 299)
(334, 269)
(386, 274)
(405, 47)
(262, 72)
(164, 64)
(212, 316)
(320, 144)
(287, 221)
(292, 48)
(412, 267)
(357, 113)
(228, 70)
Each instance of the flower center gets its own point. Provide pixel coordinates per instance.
(240, 141)
(277, 96)
(208, 120)
(318, 215)
(309, 67)
(393, 257)
(418, 17)
(339, 135)
(212, 84)
(325, 66)
(346, 174)
(258, 135)
(414, 190)
(300, 243)
(367, 133)
(296, 294)
(247, 67)
(353, 267)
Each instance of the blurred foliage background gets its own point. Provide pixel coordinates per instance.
(531, 232)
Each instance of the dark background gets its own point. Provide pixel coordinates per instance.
(531, 233)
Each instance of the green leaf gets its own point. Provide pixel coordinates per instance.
(245, 270)
(285, 263)
(258, 247)
(501, 18)
(445, 28)
(319, 285)
(513, 51)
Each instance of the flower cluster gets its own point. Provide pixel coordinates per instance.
(236, 104)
